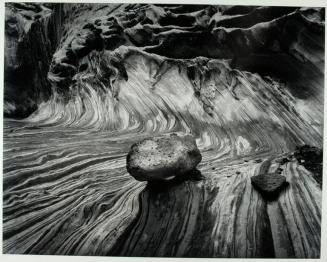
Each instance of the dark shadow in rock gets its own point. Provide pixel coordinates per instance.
(284, 67)
(311, 158)
(180, 216)
(239, 10)
(272, 196)
(160, 186)
(158, 230)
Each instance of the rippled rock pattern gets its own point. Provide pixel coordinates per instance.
(245, 81)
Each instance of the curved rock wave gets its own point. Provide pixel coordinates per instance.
(66, 187)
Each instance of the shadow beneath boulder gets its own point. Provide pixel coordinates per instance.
(269, 185)
(162, 185)
(163, 220)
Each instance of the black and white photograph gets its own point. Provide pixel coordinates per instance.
(169, 130)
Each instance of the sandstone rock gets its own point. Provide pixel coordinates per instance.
(269, 185)
(163, 157)
(32, 33)
(85, 41)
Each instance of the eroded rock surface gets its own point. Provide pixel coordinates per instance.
(32, 33)
(247, 81)
(163, 158)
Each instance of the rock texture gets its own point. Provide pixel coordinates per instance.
(32, 33)
(246, 82)
(163, 158)
(311, 158)
(269, 184)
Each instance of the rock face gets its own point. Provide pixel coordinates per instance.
(163, 158)
(269, 185)
(256, 39)
(32, 34)
(248, 38)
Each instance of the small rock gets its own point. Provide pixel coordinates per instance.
(163, 158)
(269, 185)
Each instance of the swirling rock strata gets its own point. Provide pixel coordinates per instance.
(246, 82)
(163, 158)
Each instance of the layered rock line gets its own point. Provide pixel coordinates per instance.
(137, 71)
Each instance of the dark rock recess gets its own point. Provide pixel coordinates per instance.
(311, 158)
(32, 34)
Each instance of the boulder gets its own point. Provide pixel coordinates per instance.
(163, 158)
(269, 185)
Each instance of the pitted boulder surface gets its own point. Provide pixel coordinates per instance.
(163, 157)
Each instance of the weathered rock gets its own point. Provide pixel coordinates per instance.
(269, 185)
(163, 157)
(32, 34)
(311, 158)
(85, 41)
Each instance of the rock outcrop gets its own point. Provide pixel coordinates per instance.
(163, 158)
(32, 32)
(269, 40)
